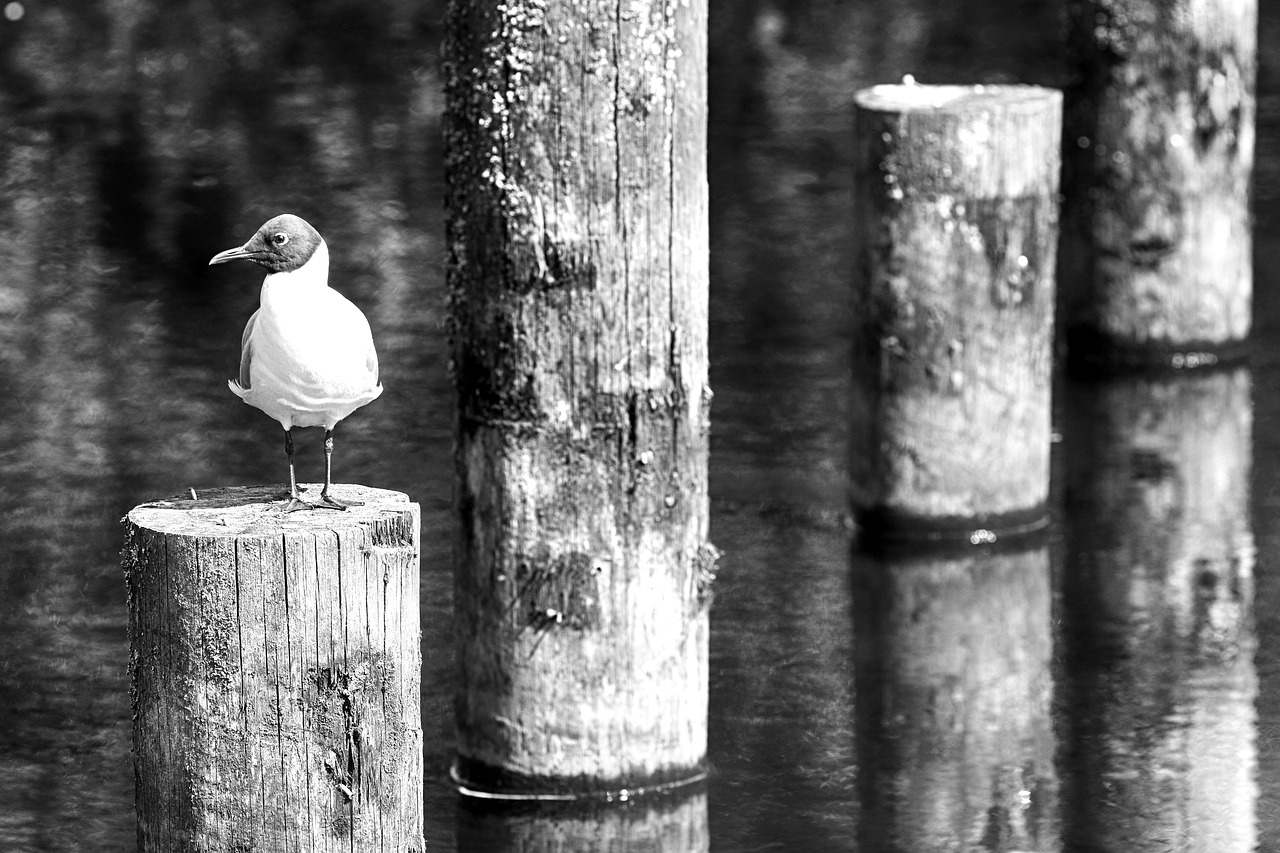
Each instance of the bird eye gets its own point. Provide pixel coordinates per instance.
(280, 238)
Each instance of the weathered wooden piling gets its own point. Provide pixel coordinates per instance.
(1157, 636)
(577, 219)
(1158, 143)
(954, 700)
(953, 297)
(276, 670)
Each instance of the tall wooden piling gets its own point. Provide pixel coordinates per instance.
(953, 296)
(1158, 145)
(276, 670)
(577, 217)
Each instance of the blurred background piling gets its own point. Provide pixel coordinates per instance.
(1158, 150)
(955, 224)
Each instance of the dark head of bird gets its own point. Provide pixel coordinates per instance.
(282, 244)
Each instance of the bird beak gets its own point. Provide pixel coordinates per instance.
(234, 254)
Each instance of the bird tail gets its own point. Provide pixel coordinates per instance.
(236, 388)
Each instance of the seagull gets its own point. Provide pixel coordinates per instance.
(306, 356)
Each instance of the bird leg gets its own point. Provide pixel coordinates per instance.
(295, 500)
(325, 499)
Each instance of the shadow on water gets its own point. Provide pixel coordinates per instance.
(1094, 693)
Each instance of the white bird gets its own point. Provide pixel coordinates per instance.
(306, 356)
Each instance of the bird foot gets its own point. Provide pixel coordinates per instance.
(295, 502)
(298, 504)
(333, 503)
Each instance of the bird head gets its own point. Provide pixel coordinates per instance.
(282, 244)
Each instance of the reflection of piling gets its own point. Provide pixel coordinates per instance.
(276, 670)
(575, 139)
(1158, 682)
(1157, 155)
(674, 823)
(956, 201)
(953, 686)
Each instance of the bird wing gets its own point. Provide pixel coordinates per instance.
(246, 349)
(371, 361)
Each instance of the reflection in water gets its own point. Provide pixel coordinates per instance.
(955, 739)
(64, 704)
(780, 734)
(672, 823)
(1157, 631)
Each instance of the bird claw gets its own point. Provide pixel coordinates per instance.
(325, 502)
(333, 503)
(296, 504)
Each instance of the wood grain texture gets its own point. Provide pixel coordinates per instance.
(276, 671)
(956, 234)
(575, 159)
(1158, 149)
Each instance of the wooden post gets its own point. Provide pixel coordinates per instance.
(1157, 155)
(955, 700)
(1157, 681)
(577, 209)
(955, 240)
(276, 669)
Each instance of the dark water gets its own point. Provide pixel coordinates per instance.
(1117, 688)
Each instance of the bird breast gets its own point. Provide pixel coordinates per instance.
(311, 345)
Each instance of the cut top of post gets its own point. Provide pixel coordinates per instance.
(238, 510)
(917, 97)
(978, 141)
